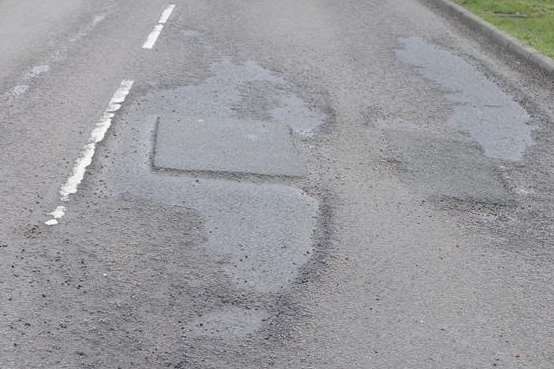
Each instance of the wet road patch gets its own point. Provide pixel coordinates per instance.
(492, 117)
(237, 91)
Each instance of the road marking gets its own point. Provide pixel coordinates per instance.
(166, 13)
(72, 183)
(36, 71)
(28, 78)
(58, 213)
(19, 90)
(88, 28)
(153, 36)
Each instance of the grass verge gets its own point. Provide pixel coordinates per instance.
(531, 21)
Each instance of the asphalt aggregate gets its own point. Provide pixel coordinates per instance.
(285, 184)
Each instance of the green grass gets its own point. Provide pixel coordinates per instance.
(531, 21)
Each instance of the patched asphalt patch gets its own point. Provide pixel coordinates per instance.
(227, 145)
(445, 167)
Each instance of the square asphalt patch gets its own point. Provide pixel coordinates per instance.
(227, 146)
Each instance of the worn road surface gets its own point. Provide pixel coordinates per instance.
(270, 184)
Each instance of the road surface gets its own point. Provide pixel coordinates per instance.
(270, 184)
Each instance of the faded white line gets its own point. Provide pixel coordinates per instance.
(37, 71)
(19, 90)
(88, 28)
(58, 213)
(28, 78)
(72, 183)
(153, 36)
(51, 222)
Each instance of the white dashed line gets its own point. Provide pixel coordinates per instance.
(71, 185)
(28, 78)
(88, 28)
(19, 90)
(153, 36)
(166, 13)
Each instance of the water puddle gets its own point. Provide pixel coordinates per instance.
(492, 118)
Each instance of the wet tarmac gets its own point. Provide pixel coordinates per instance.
(491, 117)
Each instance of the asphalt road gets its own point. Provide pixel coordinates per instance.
(270, 184)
